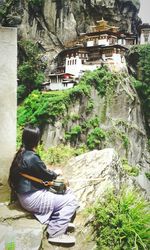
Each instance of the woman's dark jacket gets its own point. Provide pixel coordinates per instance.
(32, 164)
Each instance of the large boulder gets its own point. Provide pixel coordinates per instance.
(92, 173)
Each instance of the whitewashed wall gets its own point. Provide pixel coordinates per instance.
(8, 85)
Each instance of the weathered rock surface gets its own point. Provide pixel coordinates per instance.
(18, 226)
(120, 115)
(90, 175)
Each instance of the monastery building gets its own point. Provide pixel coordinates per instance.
(104, 45)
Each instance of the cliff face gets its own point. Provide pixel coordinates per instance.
(119, 113)
(54, 22)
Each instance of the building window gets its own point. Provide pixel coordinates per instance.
(146, 38)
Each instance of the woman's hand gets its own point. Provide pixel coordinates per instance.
(58, 171)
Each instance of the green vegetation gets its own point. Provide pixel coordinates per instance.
(129, 169)
(90, 106)
(74, 135)
(148, 175)
(121, 221)
(139, 58)
(30, 70)
(41, 108)
(125, 140)
(74, 117)
(35, 6)
(101, 79)
(5, 8)
(116, 135)
(36, 2)
(59, 155)
(95, 138)
(19, 136)
(90, 124)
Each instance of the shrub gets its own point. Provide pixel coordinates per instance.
(95, 138)
(30, 70)
(129, 169)
(94, 122)
(74, 134)
(148, 175)
(19, 136)
(21, 92)
(41, 108)
(90, 107)
(122, 221)
(59, 154)
(37, 4)
(99, 78)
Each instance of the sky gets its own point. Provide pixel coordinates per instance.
(144, 13)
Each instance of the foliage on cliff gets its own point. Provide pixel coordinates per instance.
(41, 108)
(46, 107)
(139, 58)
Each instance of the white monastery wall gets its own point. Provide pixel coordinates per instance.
(90, 67)
(8, 105)
(103, 42)
(73, 68)
(90, 43)
(59, 86)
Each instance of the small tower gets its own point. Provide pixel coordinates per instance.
(144, 33)
(102, 25)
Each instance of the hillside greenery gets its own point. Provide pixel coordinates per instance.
(46, 107)
(41, 108)
(121, 221)
(139, 58)
(59, 155)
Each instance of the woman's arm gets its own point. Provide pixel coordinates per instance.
(39, 169)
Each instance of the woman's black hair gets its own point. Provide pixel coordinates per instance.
(30, 139)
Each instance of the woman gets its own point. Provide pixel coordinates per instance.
(55, 210)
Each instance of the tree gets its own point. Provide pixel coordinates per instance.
(30, 70)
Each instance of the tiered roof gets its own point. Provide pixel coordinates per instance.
(102, 25)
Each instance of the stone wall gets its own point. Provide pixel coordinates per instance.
(8, 79)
